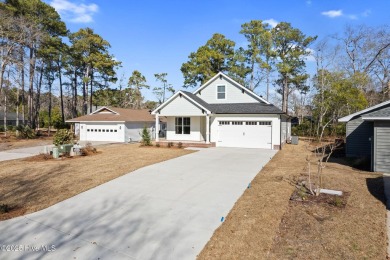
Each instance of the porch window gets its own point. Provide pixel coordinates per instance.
(221, 92)
(182, 125)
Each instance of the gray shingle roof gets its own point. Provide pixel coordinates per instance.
(244, 108)
(235, 108)
(383, 112)
(198, 100)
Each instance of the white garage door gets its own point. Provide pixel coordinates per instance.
(110, 133)
(246, 134)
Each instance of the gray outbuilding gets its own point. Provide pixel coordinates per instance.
(368, 135)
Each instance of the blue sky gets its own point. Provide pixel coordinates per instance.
(158, 36)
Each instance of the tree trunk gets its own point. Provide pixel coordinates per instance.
(50, 85)
(5, 114)
(74, 109)
(37, 101)
(31, 90)
(61, 94)
(91, 93)
(268, 73)
(285, 95)
(22, 86)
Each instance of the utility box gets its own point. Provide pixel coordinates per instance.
(65, 148)
(294, 139)
(56, 153)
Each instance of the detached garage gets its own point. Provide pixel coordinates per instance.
(112, 124)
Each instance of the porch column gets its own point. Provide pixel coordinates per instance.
(207, 129)
(157, 127)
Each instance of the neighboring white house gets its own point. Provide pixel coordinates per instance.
(226, 113)
(114, 124)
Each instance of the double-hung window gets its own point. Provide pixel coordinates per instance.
(221, 92)
(183, 125)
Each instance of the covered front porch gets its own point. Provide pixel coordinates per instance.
(186, 129)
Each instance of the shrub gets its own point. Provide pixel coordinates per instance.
(4, 208)
(25, 131)
(170, 144)
(1, 128)
(180, 145)
(63, 136)
(157, 145)
(146, 139)
(88, 150)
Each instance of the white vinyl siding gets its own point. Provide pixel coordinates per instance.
(180, 106)
(233, 93)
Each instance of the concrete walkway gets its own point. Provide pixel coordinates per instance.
(21, 153)
(167, 210)
(35, 150)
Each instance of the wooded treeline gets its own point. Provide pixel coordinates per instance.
(37, 52)
(351, 69)
(48, 73)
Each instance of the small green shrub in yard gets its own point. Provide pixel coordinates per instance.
(63, 136)
(157, 145)
(25, 132)
(4, 208)
(146, 139)
(338, 202)
(170, 144)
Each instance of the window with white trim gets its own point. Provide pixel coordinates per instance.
(182, 125)
(224, 123)
(237, 123)
(265, 123)
(221, 92)
(251, 123)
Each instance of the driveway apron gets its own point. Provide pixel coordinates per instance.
(168, 210)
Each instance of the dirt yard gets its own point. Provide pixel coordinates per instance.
(31, 185)
(11, 142)
(265, 224)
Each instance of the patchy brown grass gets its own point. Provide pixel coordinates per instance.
(28, 186)
(11, 142)
(265, 224)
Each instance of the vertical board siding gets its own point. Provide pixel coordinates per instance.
(358, 134)
(382, 146)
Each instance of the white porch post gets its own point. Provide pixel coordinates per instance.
(157, 127)
(207, 129)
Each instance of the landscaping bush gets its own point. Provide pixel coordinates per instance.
(180, 145)
(88, 150)
(170, 144)
(63, 136)
(157, 145)
(1, 128)
(4, 208)
(146, 139)
(25, 131)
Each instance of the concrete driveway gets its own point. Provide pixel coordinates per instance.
(167, 210)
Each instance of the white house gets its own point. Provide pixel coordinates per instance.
(224, 113)
(114, 124)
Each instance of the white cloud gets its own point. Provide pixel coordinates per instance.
(271, 22)
(333, 13)
(75, 12)
(310, 57)
(308, 2)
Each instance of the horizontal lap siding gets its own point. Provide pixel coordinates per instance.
(382, 146)
(358, 134)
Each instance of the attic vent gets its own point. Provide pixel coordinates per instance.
(202, 111)
(220, 76)
(180, 95)
(200, 93)
(243, 91)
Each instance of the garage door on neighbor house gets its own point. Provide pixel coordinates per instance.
(110, 133)
(246, 134)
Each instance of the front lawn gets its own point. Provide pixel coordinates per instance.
(265, 224)
(29, 185)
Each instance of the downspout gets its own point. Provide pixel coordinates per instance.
(280, 132)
